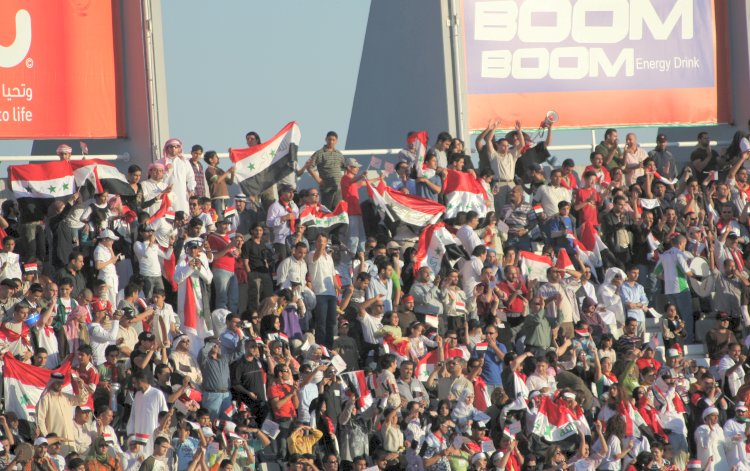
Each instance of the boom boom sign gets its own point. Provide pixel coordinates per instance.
(559, 53)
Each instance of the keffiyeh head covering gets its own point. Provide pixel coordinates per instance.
(64, 148)
(611, 274)
(170, 142)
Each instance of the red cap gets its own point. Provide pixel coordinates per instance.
(98, 305)
(408, 299)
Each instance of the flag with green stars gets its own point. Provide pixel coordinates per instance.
(317, 221)
(259, 167)
(24, 385)
(35, 185)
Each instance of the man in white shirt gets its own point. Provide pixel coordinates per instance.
(100, 336)
(471, 270)
(178, 174)
(105, 260)
(323, 276)
(466, 233)
(292, 267)
(382, 283)
(549, 196)
(730, 369)
(148, 402)
(282, 220)
(149, 254)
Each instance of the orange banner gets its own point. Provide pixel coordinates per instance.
(60, 69)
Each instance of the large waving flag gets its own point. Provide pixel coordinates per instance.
(377, 199)
(437, 248)
(36, 185)
(356, 383)
(94, 176)
(25, 383)
(319, 222)
(410, 209)
(463, 193)
(555, 423)
(260, 167)
(419, 141)
(533, 266)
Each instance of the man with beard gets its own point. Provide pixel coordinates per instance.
(55, 409)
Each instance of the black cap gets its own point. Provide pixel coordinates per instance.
(146, 336)
(222, 221)
(284, 188)
(661, 138)
(191, 244)
(722, 315)
(128, 313)
(57, 376)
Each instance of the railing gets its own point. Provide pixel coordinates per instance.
(352, 153)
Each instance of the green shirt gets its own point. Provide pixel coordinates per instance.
(604, 149)
(330, 166)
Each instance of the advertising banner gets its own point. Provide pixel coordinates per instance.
(59, 69)
(595, 62)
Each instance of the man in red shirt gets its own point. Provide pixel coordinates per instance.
(350, 185)
(588, 200)
(225, 253)
(603, 177)
(516, 293)
(87, 372)
(284, 398)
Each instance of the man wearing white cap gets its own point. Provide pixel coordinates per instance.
(105, 260)
(736, 435)
(710, 441)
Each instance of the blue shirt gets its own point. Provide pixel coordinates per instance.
(185, 451)
(229, 341)
(493, 366)
(634, 294)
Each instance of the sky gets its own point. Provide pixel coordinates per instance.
(233, 66)
(236, 65)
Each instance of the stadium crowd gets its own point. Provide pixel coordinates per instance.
(228, 332)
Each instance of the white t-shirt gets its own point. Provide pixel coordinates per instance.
(103, 254)
(322, 273)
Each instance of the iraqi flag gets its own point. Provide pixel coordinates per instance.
(95, 176)
(356, 384)
(377, 199)
(35, 185)
(463, 193)
(553, 424)
(24, 385)
(427, 364)
(399, 347)
(410, 209)
(438, 249)
(260, 167)
(418, 140)
(164, 207)
(319, 222)
(563, 260)
(533, 266)
(593, 243)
